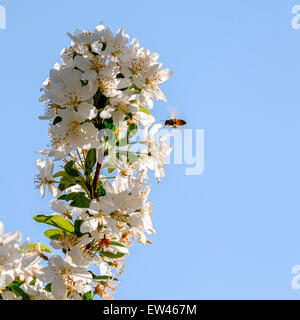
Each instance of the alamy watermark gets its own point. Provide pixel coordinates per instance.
(295, 22)
(2, 18)
(187, 145)
(296, 277)
(184, 141)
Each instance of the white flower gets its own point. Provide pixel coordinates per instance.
(86, 36)
(8, 295)
(70, 133)
(154, 155)
(106, 80)
(146, 120)
(36, 291)
(60, 208)
(67, 55)
(6, 277)
(120, 106)
(96, 213)
(67, 90)
(90, 63)
(65, 277)
(116, 46)
(142, 222)
(138, 61)
(45, 177)
(149, 83)
(10, 256)
(125, 171)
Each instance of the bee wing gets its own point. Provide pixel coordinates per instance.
(172, 112)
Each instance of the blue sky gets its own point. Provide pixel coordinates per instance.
(230, 233)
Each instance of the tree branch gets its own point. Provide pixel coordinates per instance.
(96, 177)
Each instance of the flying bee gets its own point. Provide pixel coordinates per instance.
(174, 123)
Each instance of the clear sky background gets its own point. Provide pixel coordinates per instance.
(232, 232)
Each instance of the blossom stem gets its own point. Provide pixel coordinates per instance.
(96, 177)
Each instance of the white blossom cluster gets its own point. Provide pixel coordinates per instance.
(19, 267)
(96, 101)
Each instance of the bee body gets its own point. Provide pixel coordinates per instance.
(174, 123)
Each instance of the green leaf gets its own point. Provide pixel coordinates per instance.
(71, 170)
(32, 282)
(132, 130)
(145, 110)
(79, 199)
(54, 234)
(101, 192)
(66, 182)
(59, 174)
(16, 283)
(55, 221)
(42, 247)
(87, 296)
(48, 287)
(70, 196)
(20, 292)
(84, 82)
(102, 277)
(57, 120)
(112, 255)
(77, 225)
(114, 243)
(90, 161)
(99, 100)
(15, 288)
(109, 124)
(111, 170)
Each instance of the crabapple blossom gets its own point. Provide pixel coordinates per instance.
(97, 102)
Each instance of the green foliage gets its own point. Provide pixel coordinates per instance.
(145, 110)
(111, 170)
(99, 100)
(32, 282)
(56, 221)
(131, 131)
(101, 191)
(42, 247)
(90, 161)
(15, 288)
(79, 200)
(77, 225)
(66, 182)
(54, 234)
(57, 120)
(48, 287)
(102, 277)
(71, 170)
(59, 174)
(114, 243)
(109, 124)
(112, 255)
(87, 296)
(69, 177)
